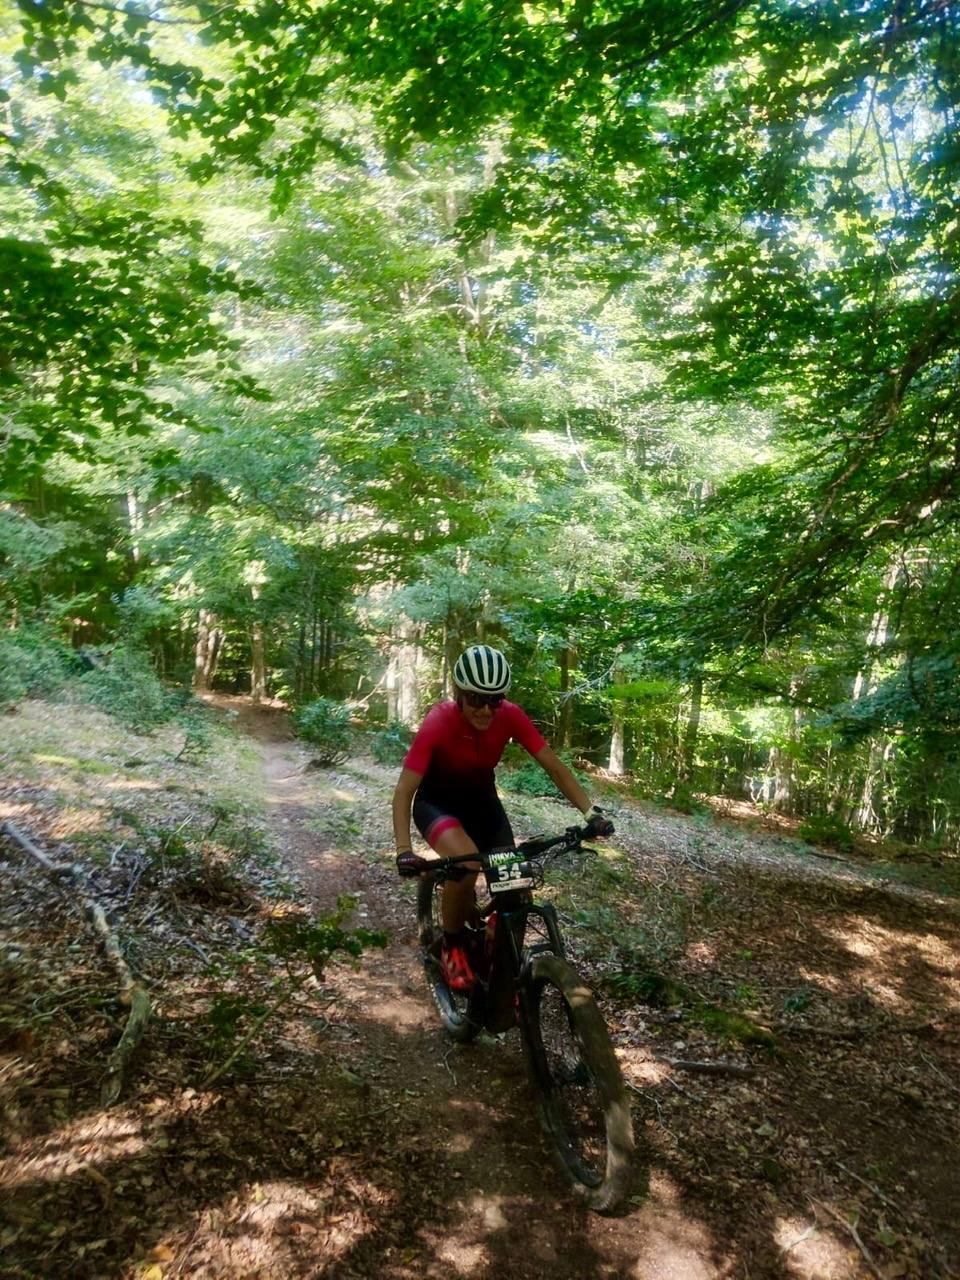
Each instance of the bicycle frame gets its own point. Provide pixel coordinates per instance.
(524, 979)
(507, 963)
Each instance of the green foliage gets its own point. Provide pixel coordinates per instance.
(325, 724)
(227, 1013)
(142, 614)
(635, 959)
(317, 941)
(126, 686)
(32, 662)
(733, 1025)
(390, 744)
(699, 443)
(798, 1001)
(527, 778)
(196, 722)
(304, 946)
(684, 800)
(828, 830)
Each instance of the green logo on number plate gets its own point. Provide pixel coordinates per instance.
(504, 859)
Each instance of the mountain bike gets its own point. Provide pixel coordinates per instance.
(525, 980)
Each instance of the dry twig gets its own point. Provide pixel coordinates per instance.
(870, 1187)
(852, 1232)
(132, 993)
(709, 1068)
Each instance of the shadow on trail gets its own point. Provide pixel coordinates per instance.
(310, 1177)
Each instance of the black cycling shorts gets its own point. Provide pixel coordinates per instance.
(485, 822)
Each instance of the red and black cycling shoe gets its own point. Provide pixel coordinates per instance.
(457, 969)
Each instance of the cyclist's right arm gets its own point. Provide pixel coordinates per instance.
(403, 794)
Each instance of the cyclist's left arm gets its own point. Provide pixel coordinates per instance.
(563, 779)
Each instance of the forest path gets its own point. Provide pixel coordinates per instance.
(485, 1198)
(353, 1141)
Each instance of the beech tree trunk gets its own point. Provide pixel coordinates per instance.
(408, 693)
(616, 763)
(451, 651)
(692, 728)
(207, 650)
(865, 801)
(258, 658)
(568, 658)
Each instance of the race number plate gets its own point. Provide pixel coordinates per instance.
(505, 871)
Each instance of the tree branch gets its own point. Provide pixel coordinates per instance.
(132, 992)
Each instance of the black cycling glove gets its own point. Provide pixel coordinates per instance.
(598, 824)
(408, 864)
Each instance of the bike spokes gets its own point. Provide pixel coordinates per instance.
(578, 1105)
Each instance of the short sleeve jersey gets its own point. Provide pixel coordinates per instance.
(455, 758)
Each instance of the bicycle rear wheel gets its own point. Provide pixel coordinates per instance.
(454, 1007)
(583, 1100)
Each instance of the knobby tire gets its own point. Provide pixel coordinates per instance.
(583, 1100)
(452, 1006)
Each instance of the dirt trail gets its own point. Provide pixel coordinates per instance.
(483, 1197)
(354, 1140)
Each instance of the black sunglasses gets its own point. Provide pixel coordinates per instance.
(478, 700)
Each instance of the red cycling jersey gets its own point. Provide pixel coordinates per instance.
(453, 756)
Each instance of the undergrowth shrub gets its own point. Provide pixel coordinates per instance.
(127, 687)
(33, 662)
(390, 744)
(196, 722)
(683, 799)
(827, 830)
(325, 724)
(525, 777)
(291, 951)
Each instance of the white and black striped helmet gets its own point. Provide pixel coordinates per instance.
(481, 669)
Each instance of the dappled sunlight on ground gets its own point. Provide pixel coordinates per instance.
(273, 1227)
(701, 954)
(83, 1144)
(898, 970)
(640, 1069)
(810, 1253)
(671, 1243)
(73, 822)
(8, 810)
(359, 1143)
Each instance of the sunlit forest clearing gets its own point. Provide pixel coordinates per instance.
(625, 338)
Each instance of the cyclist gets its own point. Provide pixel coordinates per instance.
(447, 785)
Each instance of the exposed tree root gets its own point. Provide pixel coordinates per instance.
(132, 993)
(709, 1068)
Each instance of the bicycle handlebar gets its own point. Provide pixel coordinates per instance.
(537, 847)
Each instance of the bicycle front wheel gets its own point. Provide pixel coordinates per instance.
(583, 1100)
(454, 1007)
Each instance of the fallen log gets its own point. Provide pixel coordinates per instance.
(133, 994)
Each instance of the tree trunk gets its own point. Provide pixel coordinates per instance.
(136, 525)
(568, 658)
(863, 801)
(692, 728)
(616, 763)
(258, 660)
(300, 673)
(207, 650)
(313, 654)
(408, 693)
(391, 684)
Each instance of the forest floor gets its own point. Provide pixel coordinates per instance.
(349, 1138)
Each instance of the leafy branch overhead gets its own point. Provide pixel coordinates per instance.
(625, 336)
